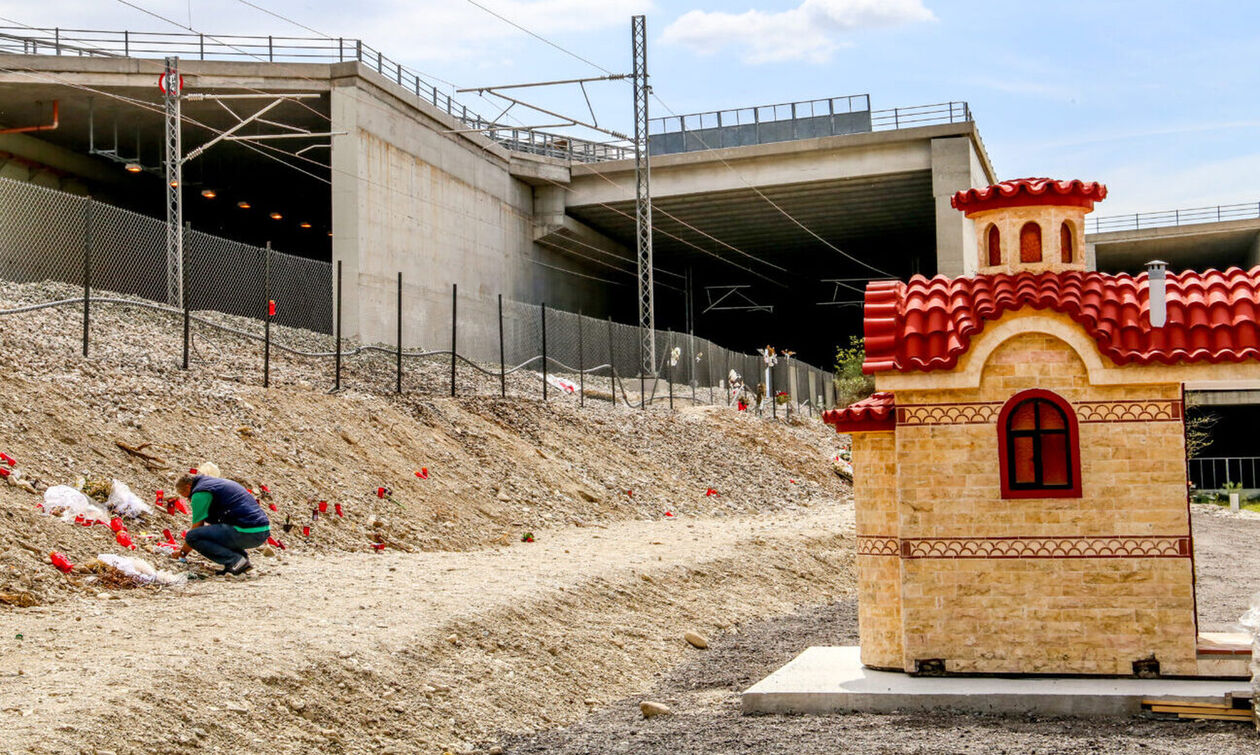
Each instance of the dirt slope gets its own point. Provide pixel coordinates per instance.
(457, 631)
(497, 467)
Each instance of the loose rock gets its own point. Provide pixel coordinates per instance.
(651, 709)
(696, 640)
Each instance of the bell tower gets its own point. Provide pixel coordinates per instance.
(1030, 224)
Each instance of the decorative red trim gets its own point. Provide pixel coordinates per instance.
(1108, 546)
(877, 545)
(981, 412)
(948, 414)
(1130, 410)
(1222, 651)
(1074, 446)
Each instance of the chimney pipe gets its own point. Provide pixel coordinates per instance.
(1156, 271)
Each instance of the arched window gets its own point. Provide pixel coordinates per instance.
(995, 246)
(1039, 447)
(1030, 243)
(1065, 242)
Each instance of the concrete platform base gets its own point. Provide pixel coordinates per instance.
(833, 680)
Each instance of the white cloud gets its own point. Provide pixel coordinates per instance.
(809, 32)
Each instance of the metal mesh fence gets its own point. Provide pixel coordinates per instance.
(281, 311)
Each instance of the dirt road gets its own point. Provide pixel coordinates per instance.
(419, 651)
(704, 692)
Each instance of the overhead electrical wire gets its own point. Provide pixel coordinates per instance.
(759, 193)
(378, 106)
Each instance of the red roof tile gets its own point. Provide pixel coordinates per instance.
(927, 324)
(872, 413)
(1022, 192)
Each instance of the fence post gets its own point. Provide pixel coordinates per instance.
(543, 311)
(726, 374)
(267, 316)
(337, 359)
(581, 365)
(612, 366)
(669, 341)
(454, 332)
(398, 342)
(708, 371)
(691, 365)
(502, 356)
(87, 270)
(187, 297)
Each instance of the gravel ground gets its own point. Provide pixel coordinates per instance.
(704, 692)
(1227, 566)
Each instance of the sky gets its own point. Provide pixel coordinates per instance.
(1156, 99)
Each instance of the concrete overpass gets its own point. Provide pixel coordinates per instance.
(535, 217)
(1197, 238)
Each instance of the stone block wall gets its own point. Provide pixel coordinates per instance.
(878, 562)
(1033, 585)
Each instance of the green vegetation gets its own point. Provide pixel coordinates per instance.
(851, 384)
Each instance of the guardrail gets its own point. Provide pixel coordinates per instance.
(1168, 218)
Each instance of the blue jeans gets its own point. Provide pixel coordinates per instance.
(222, 544)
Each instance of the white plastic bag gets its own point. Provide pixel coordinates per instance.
(125, 503)
(1251, 620)
(67, 503)
(568, 386)
(142, 571)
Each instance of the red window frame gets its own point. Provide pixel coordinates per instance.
(1011, 489)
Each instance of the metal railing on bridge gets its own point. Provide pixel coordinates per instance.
(735, 127)
(274, 49)
(1169, 218)
(789, 121)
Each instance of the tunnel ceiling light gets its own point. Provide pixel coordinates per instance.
(276, 216)
(208, 193)
(304, 225)
(243, 205)
(133, 168)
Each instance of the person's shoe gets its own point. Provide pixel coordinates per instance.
(241, 566)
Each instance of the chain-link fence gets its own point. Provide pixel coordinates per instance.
(57, 250)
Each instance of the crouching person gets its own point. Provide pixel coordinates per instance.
(226, 522)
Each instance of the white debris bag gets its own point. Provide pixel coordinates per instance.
(1251, 620)
(67, 503)
(568, 386)
(124, 502)
(142, 571)
(209, 469)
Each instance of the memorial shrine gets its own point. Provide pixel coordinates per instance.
(1020, 475)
